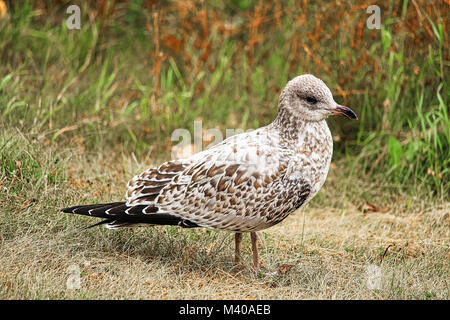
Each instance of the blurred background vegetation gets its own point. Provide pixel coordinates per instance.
(137, 70)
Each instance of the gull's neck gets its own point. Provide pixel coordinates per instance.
(289, 125)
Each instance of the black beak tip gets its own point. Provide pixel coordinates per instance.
(345, 111)
(354, 116)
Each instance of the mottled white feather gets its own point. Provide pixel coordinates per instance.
(253, 180)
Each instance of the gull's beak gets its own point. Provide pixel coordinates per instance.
(344, 111)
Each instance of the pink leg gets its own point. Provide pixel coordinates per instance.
(254, 238)
(237, 252)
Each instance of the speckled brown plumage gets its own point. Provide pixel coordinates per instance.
(247, 183)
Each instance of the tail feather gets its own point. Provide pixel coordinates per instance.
(87, 209)
(118, 214)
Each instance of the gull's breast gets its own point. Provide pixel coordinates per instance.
(313, 153)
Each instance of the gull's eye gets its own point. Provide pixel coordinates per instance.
(311, 100)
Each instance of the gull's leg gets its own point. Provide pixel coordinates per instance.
(254, 238)
(237, 252)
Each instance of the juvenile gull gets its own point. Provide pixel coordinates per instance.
(249, 182)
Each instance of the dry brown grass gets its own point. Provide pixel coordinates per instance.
(320, 252)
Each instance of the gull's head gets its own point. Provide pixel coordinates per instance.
(308, 98)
